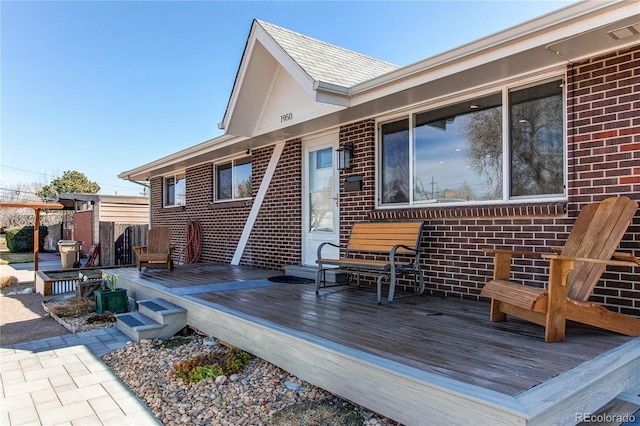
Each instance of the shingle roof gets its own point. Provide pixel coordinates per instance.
(326, 62)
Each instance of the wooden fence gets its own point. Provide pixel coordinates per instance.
(117, 241)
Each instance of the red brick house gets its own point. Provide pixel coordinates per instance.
(498, 143)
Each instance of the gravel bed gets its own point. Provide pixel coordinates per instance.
(262, 394)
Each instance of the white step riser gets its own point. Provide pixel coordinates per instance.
(137, 332)
(158, 323)
(170, 314)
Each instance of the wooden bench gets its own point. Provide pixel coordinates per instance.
(385, 249)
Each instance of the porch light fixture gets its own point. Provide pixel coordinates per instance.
(345, 153)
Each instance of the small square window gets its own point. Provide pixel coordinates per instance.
(233, 180)
(175, 190)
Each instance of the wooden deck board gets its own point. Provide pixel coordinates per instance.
(446, 336)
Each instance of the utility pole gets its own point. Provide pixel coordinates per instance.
(433, 185)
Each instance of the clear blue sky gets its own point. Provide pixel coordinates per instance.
(104, 87)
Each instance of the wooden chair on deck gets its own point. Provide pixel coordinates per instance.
(157, 253)
(574, 272)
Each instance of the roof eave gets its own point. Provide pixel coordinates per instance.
(516, 36)
(331, 93)
(154, 168)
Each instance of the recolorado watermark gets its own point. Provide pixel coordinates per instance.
(604, 418)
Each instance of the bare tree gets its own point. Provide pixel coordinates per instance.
(536, 156)
(483, 132)
(17, 193)
(536, 140)
(24, 193)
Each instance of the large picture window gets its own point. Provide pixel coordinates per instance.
(175, 190)
(458, 153)
(233, 179)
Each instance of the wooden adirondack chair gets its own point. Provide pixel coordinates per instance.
(157, 253)
(574, 272)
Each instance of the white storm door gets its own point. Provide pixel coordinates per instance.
(320, 215)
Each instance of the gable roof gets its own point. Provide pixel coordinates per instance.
(325, 62)
(323, 71)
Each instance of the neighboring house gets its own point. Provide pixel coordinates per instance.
(92, 209)
(498, 143)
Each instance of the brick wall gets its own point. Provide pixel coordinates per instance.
(221, 223)
(276, 239)
(83, 228)
(604, 160)
(604, 156)
(356, 206)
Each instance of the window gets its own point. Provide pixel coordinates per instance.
(395, 162)
(537, 135)
(233, 179)
(175, 190)
(458, 153)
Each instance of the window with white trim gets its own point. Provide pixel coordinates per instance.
(233, 179)
(464, 153)
(175, 190)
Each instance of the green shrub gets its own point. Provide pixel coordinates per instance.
(212, 365)
(20, 239)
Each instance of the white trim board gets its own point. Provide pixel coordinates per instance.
(255, 208)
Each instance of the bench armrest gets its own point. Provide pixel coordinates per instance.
(393, 254)
(395, 248)
(140, 249)
(319, 254)
(626, 257)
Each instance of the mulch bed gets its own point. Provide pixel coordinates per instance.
(78, 314)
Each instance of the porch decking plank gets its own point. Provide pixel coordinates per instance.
(451, 337)
(393, 358)
(457, 340)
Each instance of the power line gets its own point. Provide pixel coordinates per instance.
(17, 191)
(46, 175)
(23, 170)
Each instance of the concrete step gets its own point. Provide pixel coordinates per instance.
(138, 326)
(155, 319)
(161, 311)
(336, 276)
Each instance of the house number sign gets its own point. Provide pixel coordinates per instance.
(286, 117)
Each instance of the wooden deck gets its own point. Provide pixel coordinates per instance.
(417, 357)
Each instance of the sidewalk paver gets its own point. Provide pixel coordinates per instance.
(62, 380)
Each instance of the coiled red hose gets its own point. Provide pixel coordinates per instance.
(194, 242)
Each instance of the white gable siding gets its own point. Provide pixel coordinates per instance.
(288, 103)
